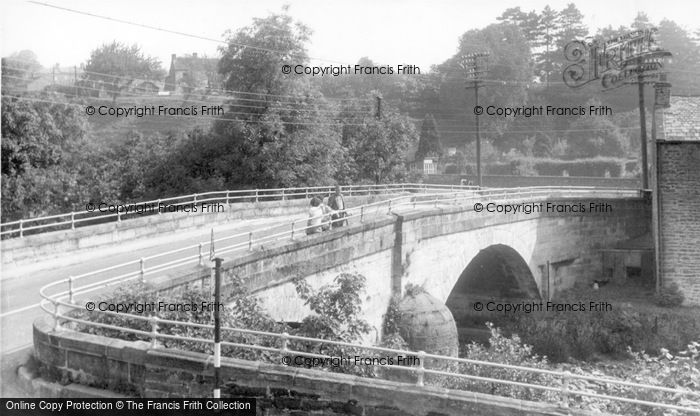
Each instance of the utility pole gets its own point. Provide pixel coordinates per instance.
(217, 328)
(643, 125)
(471, 64)
(643, 63)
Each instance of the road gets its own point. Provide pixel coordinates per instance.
(19, 287)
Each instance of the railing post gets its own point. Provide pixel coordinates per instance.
(56, 323)
(159, 211)
(195, 199)
(201, 257)
(70, 290)
(119, 216)
(154, 331)
(282, 194)
(227, 198)
(72, 220)
(306, 193)
(21, 231)
(565, 390)
(143, 270)
(250, 241)
(390, 206)
(362, 214)
(292, 230)
(285, 341)
(421, 368)
(256, 195)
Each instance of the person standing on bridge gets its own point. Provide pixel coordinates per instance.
(315, 216)
(337, 204)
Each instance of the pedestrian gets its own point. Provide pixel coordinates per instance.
(337, 204)
(313, 225)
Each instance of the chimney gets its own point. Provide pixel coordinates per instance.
(194, 55)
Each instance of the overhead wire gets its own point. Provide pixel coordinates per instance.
(338, 122)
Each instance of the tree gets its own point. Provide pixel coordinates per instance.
(114, 67)
(429, 142)
(686, 58)
(529, 23)
(509, 75)
(571, 27)
(280, 132)
(41, 147)
(252, 59)
(549, 19)
(641, 22)
(378, 147)
(595, 136)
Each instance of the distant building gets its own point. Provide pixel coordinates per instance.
(56, 76)
(193, 74)
(677, 196)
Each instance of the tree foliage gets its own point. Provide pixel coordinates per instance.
(378, 147)
(41, 163)
(429, 142)
(115, 66)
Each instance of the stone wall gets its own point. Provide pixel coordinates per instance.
(431, 248)
(679, 216)
(141, 371)
(438, 245)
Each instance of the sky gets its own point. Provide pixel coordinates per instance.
(392, 32)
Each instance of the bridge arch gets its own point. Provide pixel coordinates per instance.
(498, 273)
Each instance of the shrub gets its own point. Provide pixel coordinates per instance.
(669, 296)
(502, 350)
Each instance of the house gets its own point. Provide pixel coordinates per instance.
(193, 74)
(677, 196)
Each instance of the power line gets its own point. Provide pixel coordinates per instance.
(175, 32)
(188, 116)
(146, 96)
(338, 122)
(303, 97)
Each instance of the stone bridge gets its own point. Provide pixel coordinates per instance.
(458, 255)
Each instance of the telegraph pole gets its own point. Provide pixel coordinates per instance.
(643, 125)
(473, 70)
(643, 64)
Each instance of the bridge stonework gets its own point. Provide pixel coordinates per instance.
(136, 369)
(432, 248)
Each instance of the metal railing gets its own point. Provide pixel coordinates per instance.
(562, 390)
(198, 254)
(60, 304)
(113, 213)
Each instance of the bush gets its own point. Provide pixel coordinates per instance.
(669, 296)
(562, 336)
(502, 350)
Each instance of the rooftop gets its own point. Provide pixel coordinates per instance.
(682, 120)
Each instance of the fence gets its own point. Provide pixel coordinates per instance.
(98, 214)
(61, 304)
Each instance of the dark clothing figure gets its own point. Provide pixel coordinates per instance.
(337, 204)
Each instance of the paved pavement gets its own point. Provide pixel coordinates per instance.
(19, 287)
